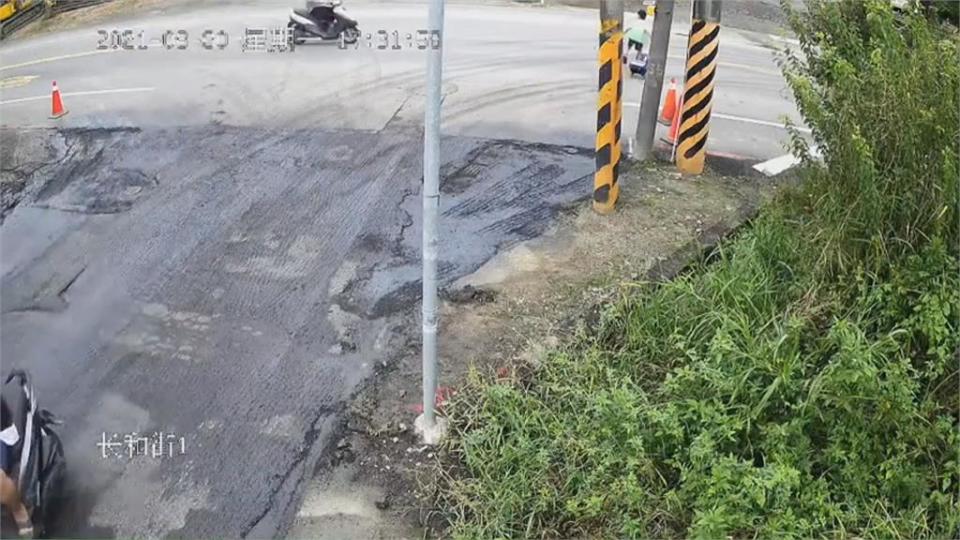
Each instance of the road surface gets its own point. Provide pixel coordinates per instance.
(514, 72)
(222, 246)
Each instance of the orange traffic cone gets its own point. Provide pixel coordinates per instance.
(671, 137)
(58, 109)
(669, 104)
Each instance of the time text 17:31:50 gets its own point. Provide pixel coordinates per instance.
(383, 39)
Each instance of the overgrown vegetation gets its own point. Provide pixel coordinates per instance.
(805, 382)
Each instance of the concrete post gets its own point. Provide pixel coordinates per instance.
(606, 188)
(702, 49)
(653, 85)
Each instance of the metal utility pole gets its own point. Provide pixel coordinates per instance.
(653, 85)
(702, 49)
(606, 188)
(427, 424)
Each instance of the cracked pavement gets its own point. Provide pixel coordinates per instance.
(156, 285)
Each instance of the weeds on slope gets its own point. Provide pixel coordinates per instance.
(805, 382)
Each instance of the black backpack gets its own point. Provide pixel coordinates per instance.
(37, 458)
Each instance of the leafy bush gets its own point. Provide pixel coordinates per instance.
(805, 382)
(881, 97)
(947, 11)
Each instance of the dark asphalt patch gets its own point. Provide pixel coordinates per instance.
(65, 170)
(494, 194)
(103, 192)
(199, 268)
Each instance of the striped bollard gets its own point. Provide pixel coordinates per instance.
(702, 51)
(606, 188)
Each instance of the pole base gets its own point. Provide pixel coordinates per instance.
(603, 208)
(431, 435)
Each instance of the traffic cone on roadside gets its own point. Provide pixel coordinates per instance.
(671, 137)
(669, 104)
(58, 109)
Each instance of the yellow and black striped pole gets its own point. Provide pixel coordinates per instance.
(702, 49)
(606, 188)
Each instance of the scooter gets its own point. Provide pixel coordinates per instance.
(323, 21)
(38, 460)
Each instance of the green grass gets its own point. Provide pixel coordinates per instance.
(803, 383)
(740, 399)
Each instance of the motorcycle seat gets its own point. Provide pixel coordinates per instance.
(323, 4)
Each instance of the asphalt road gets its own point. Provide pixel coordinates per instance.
(235, 299)
(221, 246)
(515, 72)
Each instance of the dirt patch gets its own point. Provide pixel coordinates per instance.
(754, 15)
(523, 301)
(95, 14)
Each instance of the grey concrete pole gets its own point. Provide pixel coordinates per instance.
(708, 10)
(431, 206)
(653, 85)
(612, 9)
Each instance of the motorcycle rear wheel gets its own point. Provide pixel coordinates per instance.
(351, 35)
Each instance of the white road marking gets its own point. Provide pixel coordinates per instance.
(758, 122)
(736, 119)
(788, 41)
(55, 58)
(75, 94)
(733, 65)
(750, 68)
(777, 165)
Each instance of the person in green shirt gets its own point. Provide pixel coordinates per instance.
(638, 37)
